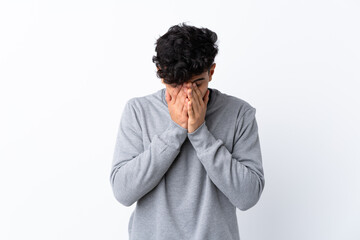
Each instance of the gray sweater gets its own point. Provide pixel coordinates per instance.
(187, 185)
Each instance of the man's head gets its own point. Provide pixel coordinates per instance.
(186, 54)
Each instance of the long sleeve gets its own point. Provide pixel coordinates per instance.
(135, 170)
(239, 175)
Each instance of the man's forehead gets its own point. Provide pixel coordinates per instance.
(193, 79)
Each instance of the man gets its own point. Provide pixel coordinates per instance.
(189, 155)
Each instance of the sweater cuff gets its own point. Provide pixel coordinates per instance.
(174, 135)
(201, 138)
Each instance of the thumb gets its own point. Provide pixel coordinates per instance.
(189, 108)
(185, 108)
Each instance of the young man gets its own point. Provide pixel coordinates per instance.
(189, 155)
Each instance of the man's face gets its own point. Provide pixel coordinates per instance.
(201, 80)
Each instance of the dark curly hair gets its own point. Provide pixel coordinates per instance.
(184, 51)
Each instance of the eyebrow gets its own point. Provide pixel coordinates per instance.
(199, 79)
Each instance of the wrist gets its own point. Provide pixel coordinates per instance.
(193, 127)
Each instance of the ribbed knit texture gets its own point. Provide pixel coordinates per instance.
(187, 185)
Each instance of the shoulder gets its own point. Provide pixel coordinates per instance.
(139, 103)
(234, 104)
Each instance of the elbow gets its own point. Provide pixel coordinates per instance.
(248, 204)
(123, 200)
(253, 197)
(120, 194)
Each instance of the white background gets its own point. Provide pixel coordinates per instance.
(68, 67)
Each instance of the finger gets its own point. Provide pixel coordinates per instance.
(176, 91)
(186, 87)
(180, 101)
(186, 92)
(198, 93)
(190, 109)
(183, 103)
(194, 100)
(185, 109)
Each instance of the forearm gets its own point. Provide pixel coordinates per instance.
(132, 178)
(242, 184)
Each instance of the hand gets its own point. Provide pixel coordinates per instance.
(196, 107)
(177, 106)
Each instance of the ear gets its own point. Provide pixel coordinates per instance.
(212, 69)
